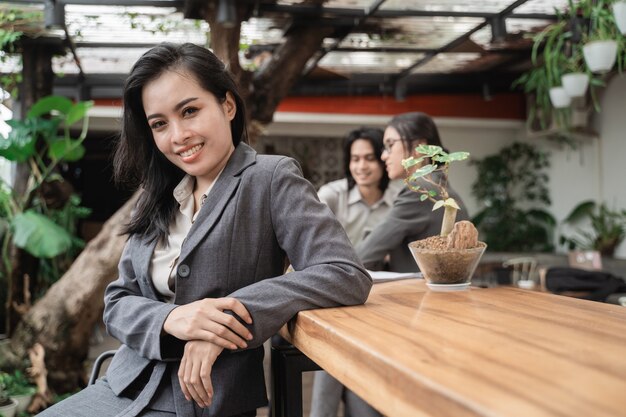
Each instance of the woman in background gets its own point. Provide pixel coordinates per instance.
(360, 201)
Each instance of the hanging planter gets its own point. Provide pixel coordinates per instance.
(575, 83)
(619, 11)
(559, 98)
(600, 55)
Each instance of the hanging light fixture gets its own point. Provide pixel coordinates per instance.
(226, 13)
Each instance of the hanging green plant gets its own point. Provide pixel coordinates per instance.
(557, 54)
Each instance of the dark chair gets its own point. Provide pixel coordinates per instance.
(97, 365)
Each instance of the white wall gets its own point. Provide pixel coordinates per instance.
(611, 124)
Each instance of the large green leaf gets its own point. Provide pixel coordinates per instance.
(50, 103)
(39, 235)
(78, 111)
(67, 150)
(20, 143)
(582, 210)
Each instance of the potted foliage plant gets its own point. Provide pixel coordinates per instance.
(8, 406)
(19, 388)
(601, 45)
(448, 260)
(575, 80)
(561, 65)
(608, 228)
(512, 186)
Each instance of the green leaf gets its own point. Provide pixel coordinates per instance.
(429, 150)
(48, 104)
(425, 170)
(66, 150)
(410, 162)
(451, 203)
(424, 197)
(432, 193)
(458, 156)
(78, 111)
(582, 210)
(39, 235)
(20, 144)
(438, 205)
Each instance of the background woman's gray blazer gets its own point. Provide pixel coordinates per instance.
(259, 212)
(409, 219)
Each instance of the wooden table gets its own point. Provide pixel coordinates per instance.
(483, 352)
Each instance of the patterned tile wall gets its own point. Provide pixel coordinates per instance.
(321, 158)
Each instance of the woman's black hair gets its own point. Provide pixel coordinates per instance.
(373, 136)
(414, 127)
(137, 161)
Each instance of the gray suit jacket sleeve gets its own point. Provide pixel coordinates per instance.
(133, 315)
(407, 217)
(327, 270)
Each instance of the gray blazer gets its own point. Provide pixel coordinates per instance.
(260, 212)
(409, 219)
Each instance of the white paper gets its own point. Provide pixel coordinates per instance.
(378, 276)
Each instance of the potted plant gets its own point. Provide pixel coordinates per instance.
(601, 46)
(448, 260)
(608, 228)
(8, 405)
(576, 80)
(512, 186)
(19, 388)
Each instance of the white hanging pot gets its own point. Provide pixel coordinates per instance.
(575, 83)
(600, 55)
(559, 97)
(619, 11)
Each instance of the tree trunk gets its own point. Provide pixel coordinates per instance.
(63, 320)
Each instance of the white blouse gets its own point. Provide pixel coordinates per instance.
(166, 253)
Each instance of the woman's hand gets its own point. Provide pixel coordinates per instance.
(194, 373)
(205, 320)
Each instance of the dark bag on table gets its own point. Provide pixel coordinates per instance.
(592, 285)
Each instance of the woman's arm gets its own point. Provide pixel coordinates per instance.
(158, 330)
(407, 217)
(130, 316)
(327, 270)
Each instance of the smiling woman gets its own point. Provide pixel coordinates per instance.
(201, 281)
(190, 127)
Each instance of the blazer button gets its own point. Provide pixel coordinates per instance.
(183, 270)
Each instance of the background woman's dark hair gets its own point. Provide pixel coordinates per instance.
(373, 136)
(137, 160)
(416, 126)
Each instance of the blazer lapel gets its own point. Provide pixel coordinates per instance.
(220, 195)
